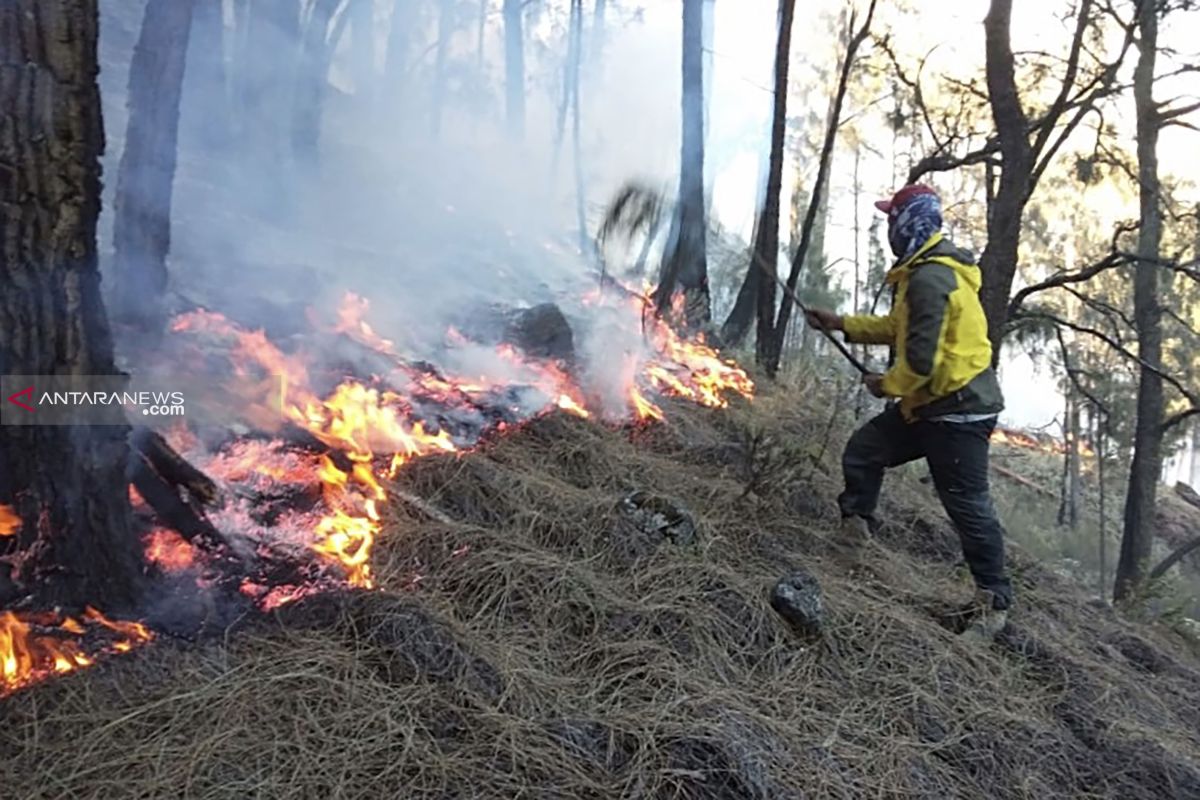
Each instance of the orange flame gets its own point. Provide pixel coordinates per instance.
(10, 523)
(28, 655)
(351, 322)
(169, 550)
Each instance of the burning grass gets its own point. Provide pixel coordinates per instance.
(526, 642)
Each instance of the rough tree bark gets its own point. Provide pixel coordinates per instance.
(999, 259)
(66, 483)
(1137, 535)
(514, 67)
(685, 262)
(142, 227)
(758, 291)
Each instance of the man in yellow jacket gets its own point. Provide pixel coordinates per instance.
(944, 392)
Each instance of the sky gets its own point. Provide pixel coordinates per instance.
(953, 36)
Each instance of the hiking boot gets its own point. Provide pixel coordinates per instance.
(855, 532)
(986, 619)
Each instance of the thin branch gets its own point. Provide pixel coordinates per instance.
(1068, 83)
(1115, 345)
(1178, 418)
(1073, 373)
(1111, 261)
(1165, 117)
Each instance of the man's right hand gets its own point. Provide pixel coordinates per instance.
(822, 319)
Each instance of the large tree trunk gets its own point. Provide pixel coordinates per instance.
(66, 483)
(514, 67)
(758, 289)
(685, 263)
(1138, 534)
(142, 228)
(999, 260)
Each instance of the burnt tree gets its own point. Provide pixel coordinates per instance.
(758, 290)
(142, 228)
(67, 484)
(685, 260)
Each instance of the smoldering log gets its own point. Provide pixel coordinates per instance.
(159, 473)
(173, 468)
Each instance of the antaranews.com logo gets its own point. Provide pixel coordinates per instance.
(85, 400)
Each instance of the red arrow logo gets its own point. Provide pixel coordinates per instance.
(27, 394)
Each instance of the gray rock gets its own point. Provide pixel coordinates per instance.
(797, 598)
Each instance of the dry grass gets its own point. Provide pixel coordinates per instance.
(551, 649)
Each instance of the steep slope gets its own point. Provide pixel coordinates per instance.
(536, 639)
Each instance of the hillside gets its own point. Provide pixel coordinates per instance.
(533, 636)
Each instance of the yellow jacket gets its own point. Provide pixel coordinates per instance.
(943, 361)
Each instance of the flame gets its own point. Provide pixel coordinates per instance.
(10, 523)
(351, 322)
(1026, 441)
(33, 647)
(169, 550)
(644, 409)
(373, 424)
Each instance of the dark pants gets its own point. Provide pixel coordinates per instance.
(957, 454)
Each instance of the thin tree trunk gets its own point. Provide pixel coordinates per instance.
(756, 296)
(445, 31)
(576, 132)
(708, 39)
(1138, 534)
(142, 227)
(67, 484)
(799, 258)
(1100, 425)
(514, 67)
(599, 36)
(312, 79)
(685, 264)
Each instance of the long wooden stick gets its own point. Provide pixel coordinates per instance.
(845, 351)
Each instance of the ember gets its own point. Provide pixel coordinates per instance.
(10, 523)
(169, 550)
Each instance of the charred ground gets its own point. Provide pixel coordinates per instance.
(539, 641)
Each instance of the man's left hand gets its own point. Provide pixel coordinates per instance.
(874, 383)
